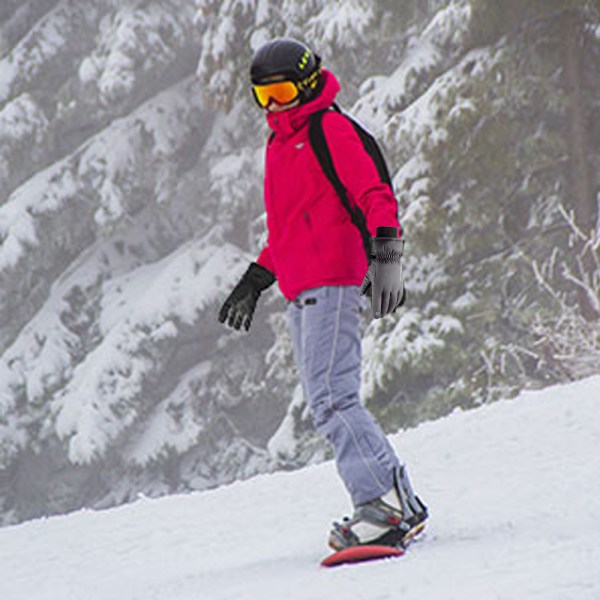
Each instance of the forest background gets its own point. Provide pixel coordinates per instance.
(131, 165)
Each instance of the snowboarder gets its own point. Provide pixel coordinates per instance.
(316, 253)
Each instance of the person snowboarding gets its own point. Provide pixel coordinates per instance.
(322, 185)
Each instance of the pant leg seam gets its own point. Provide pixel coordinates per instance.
(331, 406)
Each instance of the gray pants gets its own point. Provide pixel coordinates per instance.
(324, 327)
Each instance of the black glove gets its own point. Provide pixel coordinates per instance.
(384, 280)
(239, 306)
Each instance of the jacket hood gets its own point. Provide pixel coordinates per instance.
(290, 121)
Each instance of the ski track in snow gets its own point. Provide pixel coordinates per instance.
(512, 487)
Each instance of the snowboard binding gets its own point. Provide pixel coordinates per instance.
(393, 520)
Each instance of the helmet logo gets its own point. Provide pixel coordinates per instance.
(304, 60)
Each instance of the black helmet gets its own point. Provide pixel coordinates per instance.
(286, 56)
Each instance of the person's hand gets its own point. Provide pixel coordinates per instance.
(239, 307)
(384, 280)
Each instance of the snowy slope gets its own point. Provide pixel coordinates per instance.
(513, 488)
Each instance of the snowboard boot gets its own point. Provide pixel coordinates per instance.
(392, 520)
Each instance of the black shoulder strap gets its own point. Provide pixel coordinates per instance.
(371, 146)
(323, 154)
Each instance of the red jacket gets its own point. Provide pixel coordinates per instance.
(311, 240)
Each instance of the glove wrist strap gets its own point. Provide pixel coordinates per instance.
(387, 250)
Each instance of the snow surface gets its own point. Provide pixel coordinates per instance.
(513, 490)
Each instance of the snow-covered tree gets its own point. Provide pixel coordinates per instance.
(131, 171)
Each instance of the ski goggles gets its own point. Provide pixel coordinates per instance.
(282, 92)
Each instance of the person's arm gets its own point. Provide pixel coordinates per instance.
(358, 173)
(265, 257)
(266, 260)
(384, 280)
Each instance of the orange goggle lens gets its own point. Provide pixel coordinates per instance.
(280, 91)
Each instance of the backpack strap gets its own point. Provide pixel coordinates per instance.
(371, 146)
(321, 150)
(374, 151)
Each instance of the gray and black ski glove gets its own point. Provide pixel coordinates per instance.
(384, 280)
(239, 307)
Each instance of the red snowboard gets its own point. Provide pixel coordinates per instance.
(360, 554)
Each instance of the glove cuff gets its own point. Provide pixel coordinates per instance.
(259, 277)
(386, 232)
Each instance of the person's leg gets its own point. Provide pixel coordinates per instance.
(327, 346)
